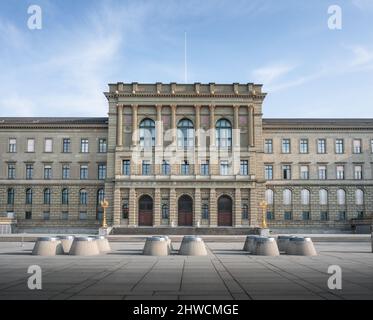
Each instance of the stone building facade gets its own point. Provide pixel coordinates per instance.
(185, 155)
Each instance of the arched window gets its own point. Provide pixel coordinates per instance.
(287, 197)
(245, 212)
(223, 133)
(359, 197)
(29, 196)
(65, 196)
(205, 211)
(125, 210)
(83, 197)
(147, 133)
(47, 196)
(10, 196)
(100, 196)
(323, 196)
(165, 211)
(269, 196)
(341, 197)
(185, 134)
(305, 197)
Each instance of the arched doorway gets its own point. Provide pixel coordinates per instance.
(145, 211)
(225, 211)
(185, 211)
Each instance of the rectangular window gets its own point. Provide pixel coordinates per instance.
(341, 215)
(66, 145)
(305, 215)
(166, 168)
(28, 215)
(286, 146)
(102, 145)
(360, 215)
(322, 173)
(146, 167)
(244, 168)
(304, 172)
(371, 146)
(31, 145)
(84, 146)
(102, 171)
(288, 215)
(340, 172)
(303, 146)
(205, 211)
(185, 167)
(339, 146)
(270, 215)
(29, 171)
(268, 146)
(357, 146)
(12, 145)
(11, 171)
(324, 216)
(48, 145)
(65, 171)
(358, 172)
(126, 167)
(224, 168)
(47, 172)
(286, 172)
(205, 170)
(83, 172)
(82, 215)
(65, 215)
(46, 215)
(268, 172)
(321, 146)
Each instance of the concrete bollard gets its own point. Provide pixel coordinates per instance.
(192, 246)
(301, 246)
(283, 242)
(84, 246)
(102, 243)
(371, 237)
(169, 243)
(266, 247)
(250, 243)
(156, 246)
(66, 242)
(47, 246)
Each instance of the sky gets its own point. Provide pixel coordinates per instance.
(307, 69)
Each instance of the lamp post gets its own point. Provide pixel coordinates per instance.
(263, 206)
(104, 205)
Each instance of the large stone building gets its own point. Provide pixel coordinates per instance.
(185, 155)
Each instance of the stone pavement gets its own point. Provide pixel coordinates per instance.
(226, 273)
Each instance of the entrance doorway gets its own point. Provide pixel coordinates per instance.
(145, 211)
(225, 211)
(185, 211)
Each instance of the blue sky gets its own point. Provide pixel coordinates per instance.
(307, 69)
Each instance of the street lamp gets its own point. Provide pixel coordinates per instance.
(264, 205)
(104, 205)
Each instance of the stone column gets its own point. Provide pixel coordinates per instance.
(134, 126)
(117, 207)
(120, 125)
(133, 216)
(157, 207)
(198, 140)
(237, 208)
(213, 208)
(174, 166)
(197, 206)
(251, 128)
(236, 141)
(173, 207)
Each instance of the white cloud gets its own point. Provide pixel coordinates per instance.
(362, 56)
(363, 4)
(270, 74)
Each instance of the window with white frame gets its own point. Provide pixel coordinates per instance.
(12, 145)
(322, 172)
(358, 172)
(48, 145)
(357, 146)
(31, 145)
(305, 197)
(268, 172)
(339, 146)
(285, 145)
(268, 146)
(286, 172)
(340, 172)
(287, 197)
(341, 197)
(359, 197)
(321, 146)
(224, 168)
(269, 196)
(323, 197)
(303, 146)
(84, 146)
(304, 172)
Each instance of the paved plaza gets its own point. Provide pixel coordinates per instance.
(226, 273)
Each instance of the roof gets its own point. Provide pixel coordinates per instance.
(53, 120)
(321, 123)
